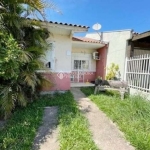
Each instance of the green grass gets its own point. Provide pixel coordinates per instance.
(74, 133)
(21, 129)
(132, 115)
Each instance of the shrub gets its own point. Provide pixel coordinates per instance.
(19, 79)
(10, 57)
(112, 71)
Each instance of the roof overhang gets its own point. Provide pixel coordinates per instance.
(141, 36)
(64, 28)
(61, 28)
(87, 45)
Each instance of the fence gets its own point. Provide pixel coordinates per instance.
(138, 72)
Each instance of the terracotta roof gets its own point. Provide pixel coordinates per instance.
(85, 39)
(60, 23)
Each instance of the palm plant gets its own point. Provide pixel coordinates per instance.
(30, 45)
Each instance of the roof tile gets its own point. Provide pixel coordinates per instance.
(67, 24)
(85, 39)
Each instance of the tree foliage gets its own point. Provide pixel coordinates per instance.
(9, 62)
(22, 44)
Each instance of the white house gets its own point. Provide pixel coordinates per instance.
(72, 59)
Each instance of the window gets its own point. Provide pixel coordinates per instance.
(85, 64)
(49, 59)
(77, 64)
(48, 65)
(81, 64)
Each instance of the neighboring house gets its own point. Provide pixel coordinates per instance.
(118, 48)
(138, 65)
(72, 59)
(140, 44)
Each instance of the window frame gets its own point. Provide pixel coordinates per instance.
(81, 64)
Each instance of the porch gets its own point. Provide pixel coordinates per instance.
(88, 59)
(86, 84)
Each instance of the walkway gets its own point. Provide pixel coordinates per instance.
(78, 84)
(46, 138)
(106, 135)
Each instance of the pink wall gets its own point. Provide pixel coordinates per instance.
(61, 81)
(101, 64)
(88, 76)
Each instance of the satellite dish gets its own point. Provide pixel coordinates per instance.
(96, 26)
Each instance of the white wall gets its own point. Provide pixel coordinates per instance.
(61, 52)
(82, 53)
(143, 94)
(117, 50)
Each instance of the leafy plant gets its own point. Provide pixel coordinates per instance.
(22, 46)
(112, 71)
(11, 57)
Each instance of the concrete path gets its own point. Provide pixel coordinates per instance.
(106, 135)
(46, 138)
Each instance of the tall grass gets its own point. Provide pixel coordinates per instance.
(132, 115)
(21, 129)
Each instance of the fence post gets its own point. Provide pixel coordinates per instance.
(125, 69)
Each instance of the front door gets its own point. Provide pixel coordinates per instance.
(80, 65)
(77, 74)
(79, 68)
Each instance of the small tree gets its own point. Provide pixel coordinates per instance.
(10, 57)
(11, 60)
(22, 45)
(112, 71)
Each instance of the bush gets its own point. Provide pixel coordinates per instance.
(10, 64)
(112, 71)
(10, 57)
(18, 75)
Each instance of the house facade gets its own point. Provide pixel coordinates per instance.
(88, 59)
(72, 59)
(118, 47)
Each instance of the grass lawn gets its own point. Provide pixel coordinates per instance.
(21, 129)
(132, 115)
